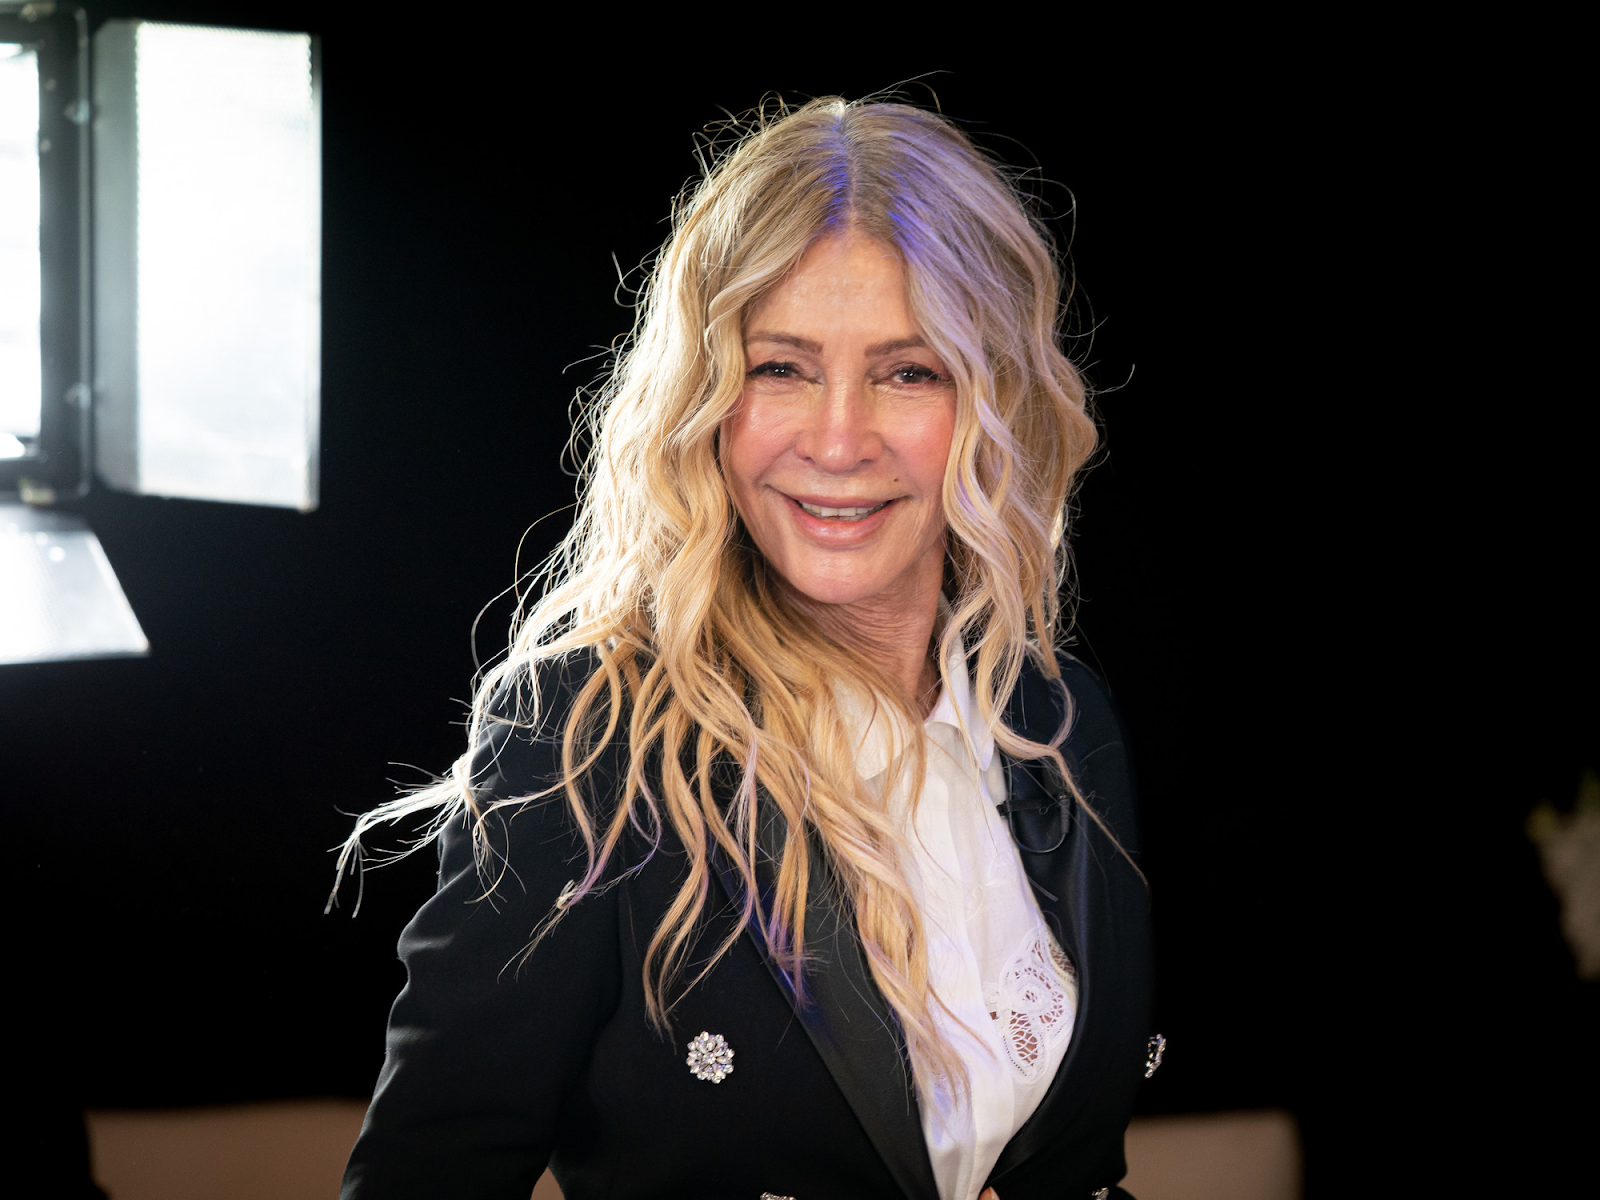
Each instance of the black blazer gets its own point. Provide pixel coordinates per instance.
(496, 1067)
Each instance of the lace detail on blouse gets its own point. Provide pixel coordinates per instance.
(1033, 1004)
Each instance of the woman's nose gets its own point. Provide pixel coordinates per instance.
(842, 431)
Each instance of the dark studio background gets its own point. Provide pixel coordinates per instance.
(1342, 603)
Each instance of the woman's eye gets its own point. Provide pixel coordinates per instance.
(914, 373)
(775, 370)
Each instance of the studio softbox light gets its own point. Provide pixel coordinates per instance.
(207, 238)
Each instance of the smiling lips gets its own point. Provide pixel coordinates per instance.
(842, 514)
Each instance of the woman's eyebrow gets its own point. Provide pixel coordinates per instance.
(785, 339)
(810, 347)
(894, 347)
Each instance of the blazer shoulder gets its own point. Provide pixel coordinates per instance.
(519, 743)
(541, 693)
(1096, 720)
(1098, 751)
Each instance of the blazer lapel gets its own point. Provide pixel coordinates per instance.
(1074, 870)
(846, 1017)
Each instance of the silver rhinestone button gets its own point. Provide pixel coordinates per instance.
(1154, 1049)
(710, 1057)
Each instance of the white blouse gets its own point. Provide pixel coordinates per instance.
(1010, 991)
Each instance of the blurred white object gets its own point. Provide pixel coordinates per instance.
(207, 262)
(1215, 1156)
(293, 1150)
(60, 598)
(1569, 847)
(19, 244)
(296, 1150)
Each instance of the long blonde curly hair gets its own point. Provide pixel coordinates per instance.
(702, 652)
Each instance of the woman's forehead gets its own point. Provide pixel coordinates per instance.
(845, 284)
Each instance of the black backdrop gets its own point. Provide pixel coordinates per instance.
(1345, 696)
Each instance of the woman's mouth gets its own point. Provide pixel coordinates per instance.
(842, 514)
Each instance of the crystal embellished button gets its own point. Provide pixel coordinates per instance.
(1154, 1049)
(710, 1057)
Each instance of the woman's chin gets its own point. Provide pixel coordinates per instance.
(839, 597)
(895, 571)
(863, 589)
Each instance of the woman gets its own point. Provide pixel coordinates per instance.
(789, 858)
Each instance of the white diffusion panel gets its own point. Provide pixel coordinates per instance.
(60, 598)
(228, 240)
(19, 247)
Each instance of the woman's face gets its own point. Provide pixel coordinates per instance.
(836, 452)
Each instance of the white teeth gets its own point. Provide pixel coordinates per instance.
(844, 514)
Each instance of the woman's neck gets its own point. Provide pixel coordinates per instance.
(895, 630)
